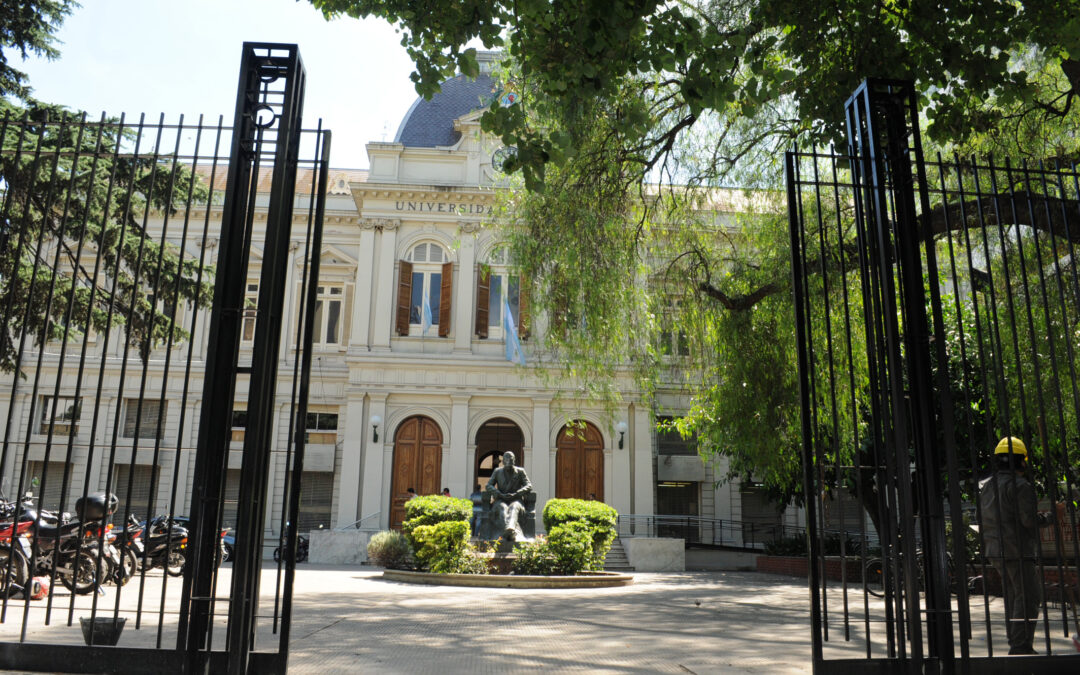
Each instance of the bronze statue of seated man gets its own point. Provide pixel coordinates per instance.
(509, 500)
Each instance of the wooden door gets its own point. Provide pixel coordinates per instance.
(579, 463)
(417, 464)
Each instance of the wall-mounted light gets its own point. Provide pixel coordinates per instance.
(375, 422)
(621, 428)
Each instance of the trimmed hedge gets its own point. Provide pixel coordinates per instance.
(390, 549)
(567, 550)
(443, 548)
(434, 509)
(598, 517)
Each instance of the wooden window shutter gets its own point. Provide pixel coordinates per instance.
(346, 315)
(523, 309)
(445, 298)
(404, 297)
(483, 290)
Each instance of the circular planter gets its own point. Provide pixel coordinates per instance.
(583, 580)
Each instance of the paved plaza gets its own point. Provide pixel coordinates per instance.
(350, 620)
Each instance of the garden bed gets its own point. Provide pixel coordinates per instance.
(582, 580)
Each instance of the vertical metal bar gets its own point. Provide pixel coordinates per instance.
(219, 381)
(258, 438)
(802, 347)
(315, 236)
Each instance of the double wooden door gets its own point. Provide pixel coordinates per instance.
(417, 464)
(579, 463)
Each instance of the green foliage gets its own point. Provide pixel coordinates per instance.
(696, 64)
(443, 548)
(433, 509)
(77, 255)
(567, 550)
(28, 27)
(390, 549)
(598, 518)
(534, 558)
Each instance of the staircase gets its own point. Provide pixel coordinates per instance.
(616, 560)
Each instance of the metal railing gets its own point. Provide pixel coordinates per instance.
(695, 530)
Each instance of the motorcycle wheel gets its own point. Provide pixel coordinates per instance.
(226, 553)
(277, 554)
(11, 581)
(87, 569)
(129, 566)
(175, 564)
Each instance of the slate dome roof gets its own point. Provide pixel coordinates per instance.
(430, 123)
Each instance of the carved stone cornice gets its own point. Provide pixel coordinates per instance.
(381, 224)
(468, 226)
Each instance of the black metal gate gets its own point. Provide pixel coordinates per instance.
(937, 306)
(152, 346)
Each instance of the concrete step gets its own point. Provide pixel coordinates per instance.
(616, 560)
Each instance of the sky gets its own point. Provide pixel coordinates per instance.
(158, 56)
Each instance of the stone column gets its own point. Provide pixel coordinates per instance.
(465, 289)
(373, 494)
(365, 286)
(641, 449)
(541, 458)
(455, 469)
(385, 292)
(357, 434)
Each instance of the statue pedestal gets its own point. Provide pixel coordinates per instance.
(500, 562)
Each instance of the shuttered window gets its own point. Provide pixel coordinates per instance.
(47, 486)
(497, 290)
(425, 292)
(316, 497)
(143, 481)
(672, 442)
(143, 420)
(232, 498)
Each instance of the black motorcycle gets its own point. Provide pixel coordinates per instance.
(74, 550)
(301, 549)
(164, 543)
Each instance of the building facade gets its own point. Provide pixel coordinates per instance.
(411, 386)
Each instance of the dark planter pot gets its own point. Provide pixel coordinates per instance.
(102, 631)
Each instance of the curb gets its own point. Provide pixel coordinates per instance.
(585, 580)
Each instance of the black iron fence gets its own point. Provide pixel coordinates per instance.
(143, 274)
(735, 534)
(938, 306)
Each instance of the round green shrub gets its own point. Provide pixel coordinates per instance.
(431, 510)
(534, 558)
(571, 545)
(443, 548)
(390, 549)
(600, 518)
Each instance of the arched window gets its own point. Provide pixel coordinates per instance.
(500, 301)
(424, 291)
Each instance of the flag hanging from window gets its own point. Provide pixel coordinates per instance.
(425, 316)
(514, 352)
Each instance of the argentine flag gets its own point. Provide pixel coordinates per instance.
(425, 316)
(514, 352)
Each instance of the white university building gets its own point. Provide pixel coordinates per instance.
(400, 400)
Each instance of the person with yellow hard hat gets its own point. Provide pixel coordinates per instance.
(1009, 521)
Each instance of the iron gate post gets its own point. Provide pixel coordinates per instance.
(883, 135)
(256, 117)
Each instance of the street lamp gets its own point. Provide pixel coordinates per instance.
(375, 422)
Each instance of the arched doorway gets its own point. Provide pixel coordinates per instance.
(579, 462)
(417, 464)
(495, 437)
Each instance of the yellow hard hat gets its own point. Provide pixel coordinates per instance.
(1018, 447)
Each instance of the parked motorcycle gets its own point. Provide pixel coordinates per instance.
(128, 543)
(302, 544)
(164, 542)
(74, 549)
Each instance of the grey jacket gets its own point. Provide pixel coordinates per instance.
(1008, 511)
